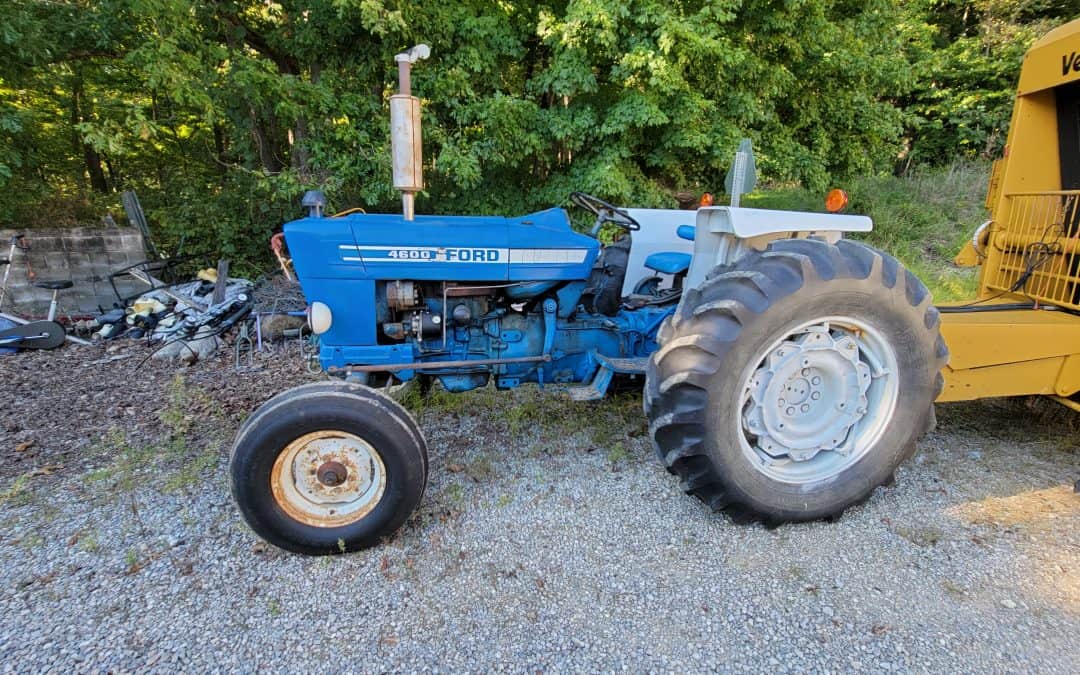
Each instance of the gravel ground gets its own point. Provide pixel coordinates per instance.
(549, 539)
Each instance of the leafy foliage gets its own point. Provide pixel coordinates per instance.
(221, 114)
(922, 218)
(968, 55)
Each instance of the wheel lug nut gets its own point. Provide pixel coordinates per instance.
(791, 411)
(816, 395)
(805, 372)
(816, 380)
(805, 408)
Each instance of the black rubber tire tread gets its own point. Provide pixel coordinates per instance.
(338, 385)
(707, 343)
(349, 407)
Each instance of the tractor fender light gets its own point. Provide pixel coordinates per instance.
(836, 200)
(319, 318)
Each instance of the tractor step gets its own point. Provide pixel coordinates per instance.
(625, 366)
(595, 390)
(585, 392)
(609, 365)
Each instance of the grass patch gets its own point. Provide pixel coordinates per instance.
(617, 453)
(32, 541)
(129, 461)
(455, 495)
(169, 461)
(18, 493)
(607, 422)
(89, 543)
(923, 218)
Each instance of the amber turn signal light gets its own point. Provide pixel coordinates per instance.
(836, 200)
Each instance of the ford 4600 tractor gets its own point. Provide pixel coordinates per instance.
(787, 370)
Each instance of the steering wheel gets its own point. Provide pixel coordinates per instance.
(604, 212)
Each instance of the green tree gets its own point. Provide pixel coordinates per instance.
(220, 114)
(967, 54)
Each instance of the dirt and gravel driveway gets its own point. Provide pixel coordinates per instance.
(549, 539)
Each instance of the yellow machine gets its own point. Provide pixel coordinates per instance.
(1021, 334)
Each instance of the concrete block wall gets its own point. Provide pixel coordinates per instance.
(84, 255)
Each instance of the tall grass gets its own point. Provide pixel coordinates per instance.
(922, 218)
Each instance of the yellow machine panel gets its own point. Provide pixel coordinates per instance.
(1011, 353)
(1021, 335)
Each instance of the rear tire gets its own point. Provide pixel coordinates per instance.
(328, 468)
(793, 383)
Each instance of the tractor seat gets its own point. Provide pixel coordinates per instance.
(668, 262)
(57, 285)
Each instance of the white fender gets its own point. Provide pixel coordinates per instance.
(725, 233)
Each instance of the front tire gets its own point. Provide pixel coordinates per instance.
(328, 468)
(793, 383)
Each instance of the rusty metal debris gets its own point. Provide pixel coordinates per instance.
(186, 319)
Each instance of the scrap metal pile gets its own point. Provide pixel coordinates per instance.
(186, 319)
(157, 300)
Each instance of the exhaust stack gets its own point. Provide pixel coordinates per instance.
(405, 141)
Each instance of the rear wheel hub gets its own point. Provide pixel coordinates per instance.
(817, 399)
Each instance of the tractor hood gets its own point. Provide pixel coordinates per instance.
(537, 247)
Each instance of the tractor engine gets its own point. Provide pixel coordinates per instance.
(467, 299)
(408, 315)
(463, 334)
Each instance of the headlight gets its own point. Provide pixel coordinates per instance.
(319, 318)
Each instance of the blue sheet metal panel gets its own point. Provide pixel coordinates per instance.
(539, 246)
(352, 307)
(536, 247)
(315, 245)
(457, 248)
(340, 356)
(543, 246)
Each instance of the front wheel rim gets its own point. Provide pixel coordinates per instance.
(328, 479)
(817, 399)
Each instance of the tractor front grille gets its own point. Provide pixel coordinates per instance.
(1035, 250)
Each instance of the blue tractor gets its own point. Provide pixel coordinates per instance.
(787, 371)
